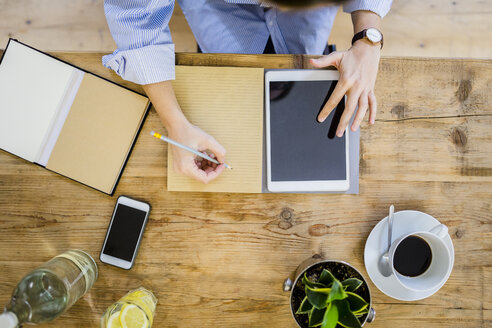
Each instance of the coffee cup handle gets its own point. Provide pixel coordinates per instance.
(440, 230)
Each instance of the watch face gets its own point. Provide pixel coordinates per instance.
(373, 35)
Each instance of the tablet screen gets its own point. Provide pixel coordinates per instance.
(302, 149)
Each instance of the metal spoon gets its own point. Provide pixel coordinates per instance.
(384, 263)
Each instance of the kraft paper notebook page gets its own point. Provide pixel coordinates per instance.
(65, 119)
(227, 103)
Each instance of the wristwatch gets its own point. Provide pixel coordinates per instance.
(372, 34)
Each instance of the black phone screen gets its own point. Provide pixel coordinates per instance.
(124, 232)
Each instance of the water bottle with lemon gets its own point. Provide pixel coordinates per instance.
(134, 310)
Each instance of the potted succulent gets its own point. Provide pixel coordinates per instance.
(329, 294)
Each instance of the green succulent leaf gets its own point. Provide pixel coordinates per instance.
(345, 317)
(356, 303)
(337, 292)
(351, 284)
(316, 317)
(326, 278)
(330, 319)
(361, 313)
(305, 306)
(307, 282)
(318, 297)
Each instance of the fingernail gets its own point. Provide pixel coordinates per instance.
(322, 119)
(372, 121)
(339, 133)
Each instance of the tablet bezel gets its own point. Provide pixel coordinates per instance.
(301, 186)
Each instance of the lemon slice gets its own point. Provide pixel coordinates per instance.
(133, 317)
(138, 294)
(114, 321)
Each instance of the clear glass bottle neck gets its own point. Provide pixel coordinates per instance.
(18, 308)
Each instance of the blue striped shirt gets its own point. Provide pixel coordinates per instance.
(145, 51)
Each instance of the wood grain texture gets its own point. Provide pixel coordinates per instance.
(78, 25)
(439, 28)
(435, 28)
(219, 260)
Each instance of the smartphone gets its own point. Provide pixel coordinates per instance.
(125, 232)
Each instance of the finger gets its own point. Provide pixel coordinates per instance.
(216, 148)
(361, 111)
(335, 98)
(201, 161)
(373, 107)
(218, 170)
(332, 59)
(208, 164)
(206, 177)
(352, 100)
(198, 174)
(204, 162)
(198, 161)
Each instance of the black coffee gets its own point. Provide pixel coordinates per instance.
(413, 256)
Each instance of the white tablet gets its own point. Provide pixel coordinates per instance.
(304, 155)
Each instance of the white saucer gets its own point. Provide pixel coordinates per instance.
(404, 222)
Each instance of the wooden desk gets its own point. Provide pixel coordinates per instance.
(219, 260)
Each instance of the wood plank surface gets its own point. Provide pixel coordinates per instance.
(435, 28)
(439, 28)
(76, 25)
(218, 260)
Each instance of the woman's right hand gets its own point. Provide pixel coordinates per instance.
(188, 163)
(162, 96)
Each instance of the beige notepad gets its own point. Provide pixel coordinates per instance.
(102, 123)
(227, 103)
(65, 119)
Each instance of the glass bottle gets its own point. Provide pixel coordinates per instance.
(48, 291)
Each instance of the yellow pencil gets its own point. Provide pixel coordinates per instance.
(196, 152)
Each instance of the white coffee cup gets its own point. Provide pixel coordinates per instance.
(441, 263)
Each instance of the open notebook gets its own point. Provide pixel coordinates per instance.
(65, 119)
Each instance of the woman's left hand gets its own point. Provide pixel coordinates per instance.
(358, 69)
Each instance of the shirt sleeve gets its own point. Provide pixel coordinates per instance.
(380, 7)
(140, 28)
